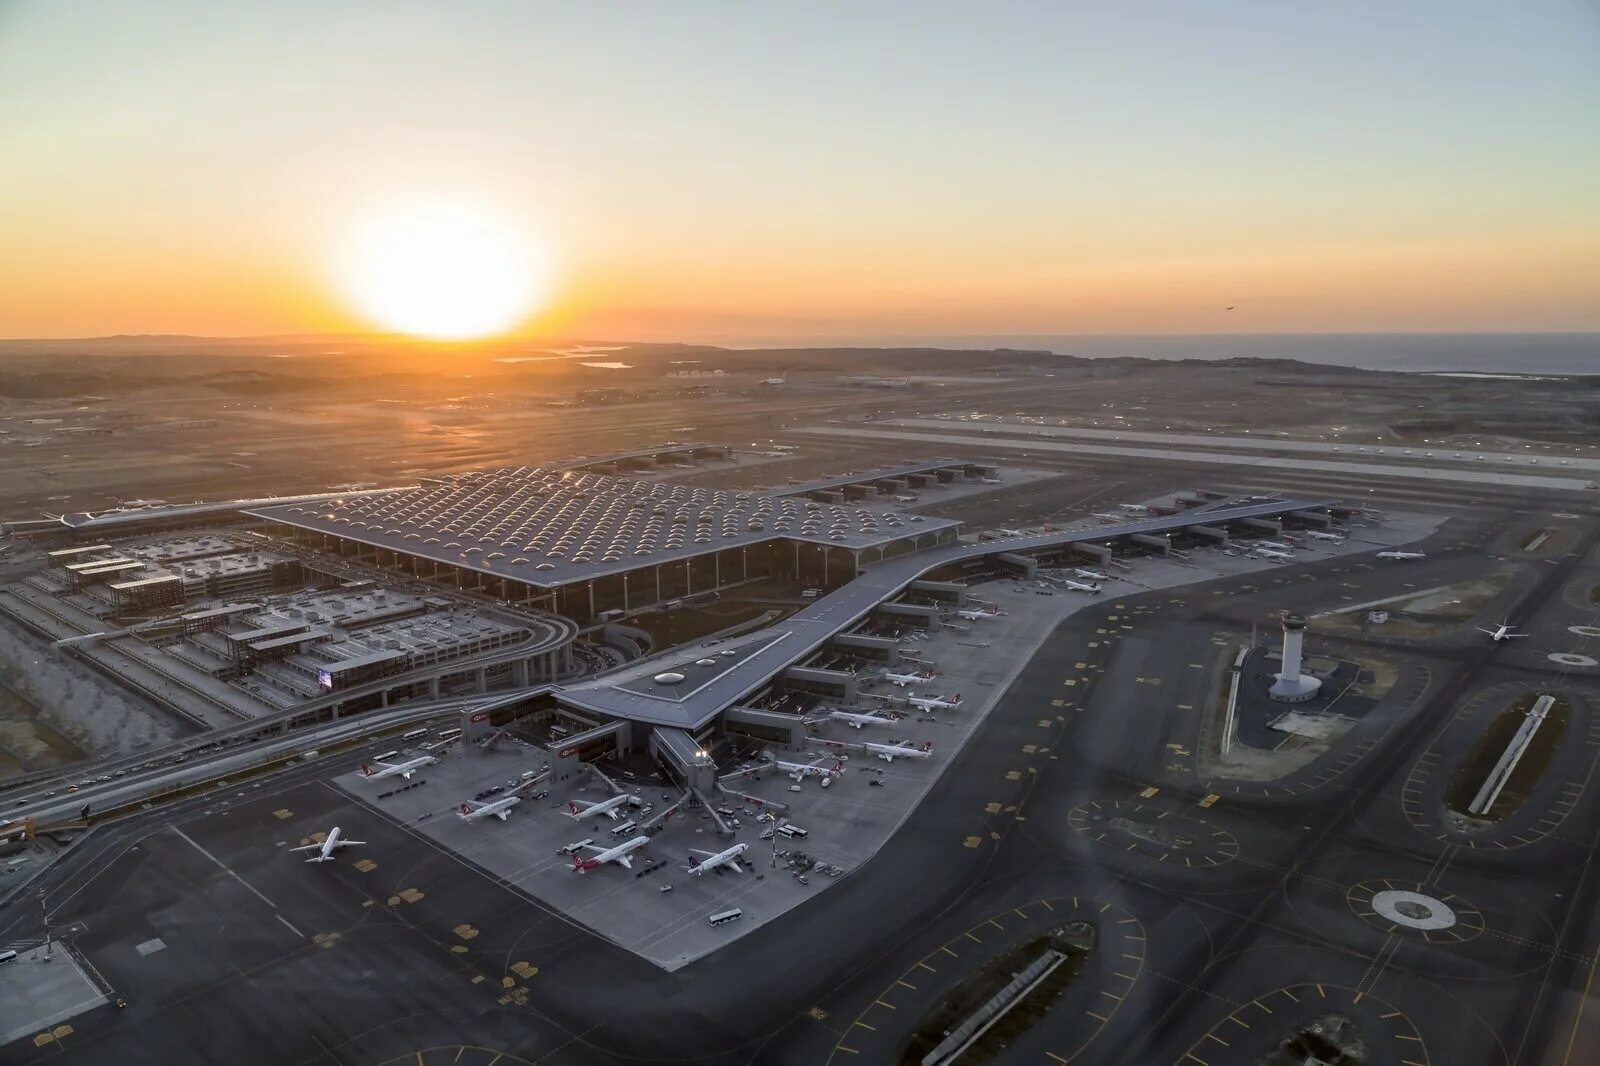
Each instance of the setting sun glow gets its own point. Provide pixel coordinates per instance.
(445, 272)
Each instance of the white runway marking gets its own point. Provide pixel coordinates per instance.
(226, 868)
(291, 928)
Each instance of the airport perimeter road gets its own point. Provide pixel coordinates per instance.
(1223, 920)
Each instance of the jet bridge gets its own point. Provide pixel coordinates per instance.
(687, 762)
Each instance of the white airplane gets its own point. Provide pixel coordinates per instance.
(601, 856)
(500, 808)
(972, 614)
(1108, 517)
(906, 499)
(1009, 532)
(991, 481)
(713, 861)
(856, 721)
(798, 771)
(1090, 575)
(389, 769)
(891, 752)
(579, 809)
(1268, 553)
(1134, 508)
(1079, 586)
(1501, 632)
(903, 680)
(1275, 545)
(1317, 534)
(931, 703)
(1401, 555)
(324, 851)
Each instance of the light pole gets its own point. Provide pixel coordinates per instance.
(777, 823)
(45, 911)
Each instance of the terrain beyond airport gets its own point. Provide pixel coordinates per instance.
(624, 704)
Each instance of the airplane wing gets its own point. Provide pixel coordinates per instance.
(627, 863)
(734, 865)
(308, 847)
(343, 843)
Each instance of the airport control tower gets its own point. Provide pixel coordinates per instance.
(1293, 686)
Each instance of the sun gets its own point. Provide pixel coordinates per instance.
(443, 271)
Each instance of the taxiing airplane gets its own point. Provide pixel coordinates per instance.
(324, 851)
(903, 680)
(972, 614)
(389, 769)
(1079, 586)
(856, 721)
(891, 752)
(579, 809)
(717, 860)
(601, 856)
(1501, 632)
(500, 808)
(1401, 555)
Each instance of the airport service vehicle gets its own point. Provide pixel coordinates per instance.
(1501, 632)
(856, 721)
(390, 769)
(724, 917)
(928, 703)
(1080, 586)
(1319, 535)
(448, 735)
(619, 855)
(1268, 553)
(1401, 555)
(792, 830)
(716, 860)
(611, 808)
(891, 752)
(324, 851)
(500, 808)
(902, 680)
(1090, 575)
(415, 734)
(972, 614)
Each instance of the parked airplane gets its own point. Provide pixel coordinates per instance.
(891, 752)
(1401, 555)
(798, 771)
(1090, 575)
(903, 680)
(601, 856)
(1268, 553)
(324, 851)
(713, 861)
(991, 481)
(1107, 517)
(1009, 532)
(404, 769)
(500, 808)
(1135, 508)
(1319, 535)
(580, 809)
(973, 614)
(1501, 632)
(929, 703)
(1275, 545)
(906, 499)
(1079, 586)
(856, 721)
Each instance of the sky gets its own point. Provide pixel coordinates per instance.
(722, 171)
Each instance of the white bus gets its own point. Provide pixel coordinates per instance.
(724, 916)
(791, 830)
(415, 734)
(449, 734)
(578, 845)
(385, 756)
(625, 827)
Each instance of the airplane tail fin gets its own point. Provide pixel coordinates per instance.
(366, 771)
(466, 808)
(927, 745)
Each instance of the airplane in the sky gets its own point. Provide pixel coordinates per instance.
(1090, 575)
(972, 614)
(1079, 586)
(1268, 553)
(1401, 555)
(500, 808)
(324, 851)
(581, 809)
(903, 680)
(891, 752)
(798, 771)
(717, 860)
(1317, 534)
(1501, 632)
(389, 769)
(856, 721)
(601, 856)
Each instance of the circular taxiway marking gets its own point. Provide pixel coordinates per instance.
(1155, 832)
(1568, 658)
(1440, 918)
(1258, 1026)
(1413, 909)
(458, 1055)
(1585, 631)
